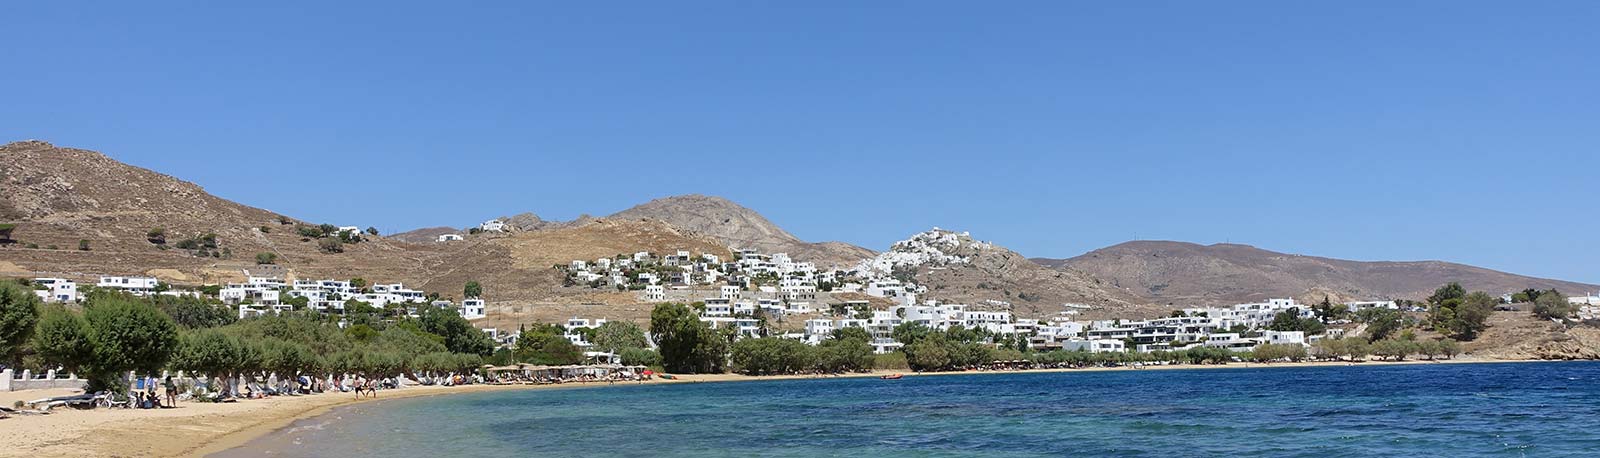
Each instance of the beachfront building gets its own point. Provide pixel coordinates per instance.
(56, 289)
(1095, 345)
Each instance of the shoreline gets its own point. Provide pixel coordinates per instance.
(199, 429)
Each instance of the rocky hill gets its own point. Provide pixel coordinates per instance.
(1185, 273)
(58, 196)
(61, 196)
(740, 227)
(957, 268)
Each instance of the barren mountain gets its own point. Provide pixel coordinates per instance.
(740, 227)
(957, 268)
(425, 235)
(59, 196)
(1185, 273)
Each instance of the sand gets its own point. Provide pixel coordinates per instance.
(197, 429)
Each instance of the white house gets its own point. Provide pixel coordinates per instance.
(57, 289)
(655, 293)
(1095, 345)
(1589, 299)
(473, 308)
(137, 285)
(493, 225)
(450, 238)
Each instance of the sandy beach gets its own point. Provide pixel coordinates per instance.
(197, 429)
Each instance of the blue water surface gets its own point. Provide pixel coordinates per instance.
(1444, 410)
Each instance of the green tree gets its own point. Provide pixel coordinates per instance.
(640, 357)
(851, 333)
(458, 333)
(1460, 315)
(545, 348)
(929, 353)
(194, 312)
(687, 344)
(1381, 322)
(472, 289)
(1290, 320)
(1551, 305)
(910, 332)
(1448, 292)
(266, 258)
(1327, 310)
(373, 231)
(19, 313)
(115, 334)
(613, 336)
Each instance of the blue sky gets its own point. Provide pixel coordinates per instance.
(1462, 131)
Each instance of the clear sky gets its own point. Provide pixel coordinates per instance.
(1456, 130)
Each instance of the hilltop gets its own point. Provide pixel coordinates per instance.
(958, 268)
(1183, 273)
(740, 227)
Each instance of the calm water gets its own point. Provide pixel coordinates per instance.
(1446, 410)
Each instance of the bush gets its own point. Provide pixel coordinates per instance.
(330, 245)
(1551, 305)
(83, 245)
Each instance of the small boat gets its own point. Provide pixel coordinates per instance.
(891, 377)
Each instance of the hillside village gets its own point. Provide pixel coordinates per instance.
(755, 294)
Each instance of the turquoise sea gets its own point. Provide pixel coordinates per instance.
(1443, 410)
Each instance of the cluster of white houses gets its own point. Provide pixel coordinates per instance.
(1197, 327)
(266, 294)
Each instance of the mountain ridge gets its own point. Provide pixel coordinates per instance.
(1175, 272)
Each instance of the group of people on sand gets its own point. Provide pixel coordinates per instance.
(612, 378)
(364, 387)
(148, 399)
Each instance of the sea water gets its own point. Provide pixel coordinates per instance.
(1444, 410)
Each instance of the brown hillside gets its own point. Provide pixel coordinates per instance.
(1184, 273)
(993, 272)
(60, 195)
(740, 227)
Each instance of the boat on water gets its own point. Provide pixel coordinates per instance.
(891, 377)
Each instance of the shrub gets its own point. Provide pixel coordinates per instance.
(330, 245)
(266, 258)
(1552, 305)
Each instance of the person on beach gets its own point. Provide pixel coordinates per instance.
(172, 391)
